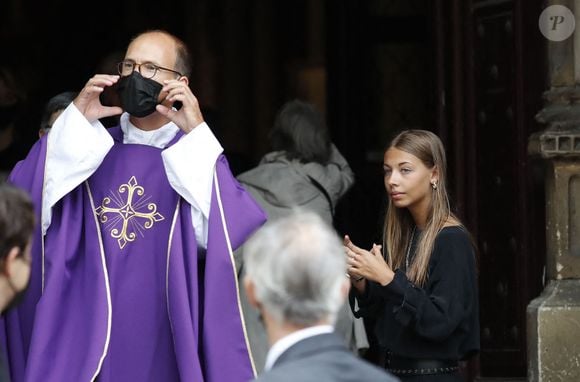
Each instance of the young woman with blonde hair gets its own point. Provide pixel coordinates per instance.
(422, 293)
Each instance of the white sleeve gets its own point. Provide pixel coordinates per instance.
(190, 166)
(75, 149)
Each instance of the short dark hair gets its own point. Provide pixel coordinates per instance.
(299, 130)
(56, 103)
(16, 219)
(183, 60)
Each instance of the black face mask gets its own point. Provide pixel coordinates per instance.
(138, 94)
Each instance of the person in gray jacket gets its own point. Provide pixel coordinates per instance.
(304, 170)
(296, 278)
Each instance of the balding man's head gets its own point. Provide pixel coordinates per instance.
(182, 62)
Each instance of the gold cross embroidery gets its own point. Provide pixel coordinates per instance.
(128, 213)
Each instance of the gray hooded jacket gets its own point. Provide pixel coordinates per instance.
(279, 184)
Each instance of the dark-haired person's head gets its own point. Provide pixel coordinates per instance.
(299, 130)
(54, 107)
(16, 228)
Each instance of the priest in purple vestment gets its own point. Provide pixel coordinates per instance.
(133, 276)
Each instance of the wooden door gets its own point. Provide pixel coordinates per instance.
(473, 72)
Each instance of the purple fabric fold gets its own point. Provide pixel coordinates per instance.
(222, 308)
(141, 307)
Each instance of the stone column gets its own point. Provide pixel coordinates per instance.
(553, 319)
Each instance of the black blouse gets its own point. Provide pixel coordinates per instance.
(437, 321)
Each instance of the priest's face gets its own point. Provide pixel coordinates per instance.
(157, 49)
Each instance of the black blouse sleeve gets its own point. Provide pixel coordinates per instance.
(436, 310)
(367, 304)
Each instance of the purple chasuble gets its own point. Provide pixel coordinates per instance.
(120, 292)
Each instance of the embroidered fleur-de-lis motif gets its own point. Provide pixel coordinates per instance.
(125, 217)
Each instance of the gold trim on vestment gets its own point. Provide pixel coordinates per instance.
(41, 222)
(175, 214)
(107, 285)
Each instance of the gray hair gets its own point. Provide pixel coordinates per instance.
(298, 266)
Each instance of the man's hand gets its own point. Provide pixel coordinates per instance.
(189, 116)
(88, 101)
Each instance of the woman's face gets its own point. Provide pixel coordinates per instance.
(407, 179)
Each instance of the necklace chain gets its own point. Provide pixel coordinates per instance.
(409, 249)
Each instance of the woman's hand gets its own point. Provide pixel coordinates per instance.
(368, 264)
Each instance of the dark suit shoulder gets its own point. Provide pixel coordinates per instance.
(323, 359)
(321, 369)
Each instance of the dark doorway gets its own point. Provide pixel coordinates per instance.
(473, 72)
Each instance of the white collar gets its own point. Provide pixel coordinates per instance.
(158, 138)
(285, 343)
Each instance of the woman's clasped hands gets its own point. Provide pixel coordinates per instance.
(369, 265)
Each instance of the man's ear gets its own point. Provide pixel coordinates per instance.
(184, 79)
(251, 292)
(7, 264)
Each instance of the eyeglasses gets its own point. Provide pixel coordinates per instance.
(147, 69)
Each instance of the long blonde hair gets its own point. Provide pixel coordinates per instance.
(399, 224)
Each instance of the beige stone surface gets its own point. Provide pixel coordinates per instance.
(553, 321)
